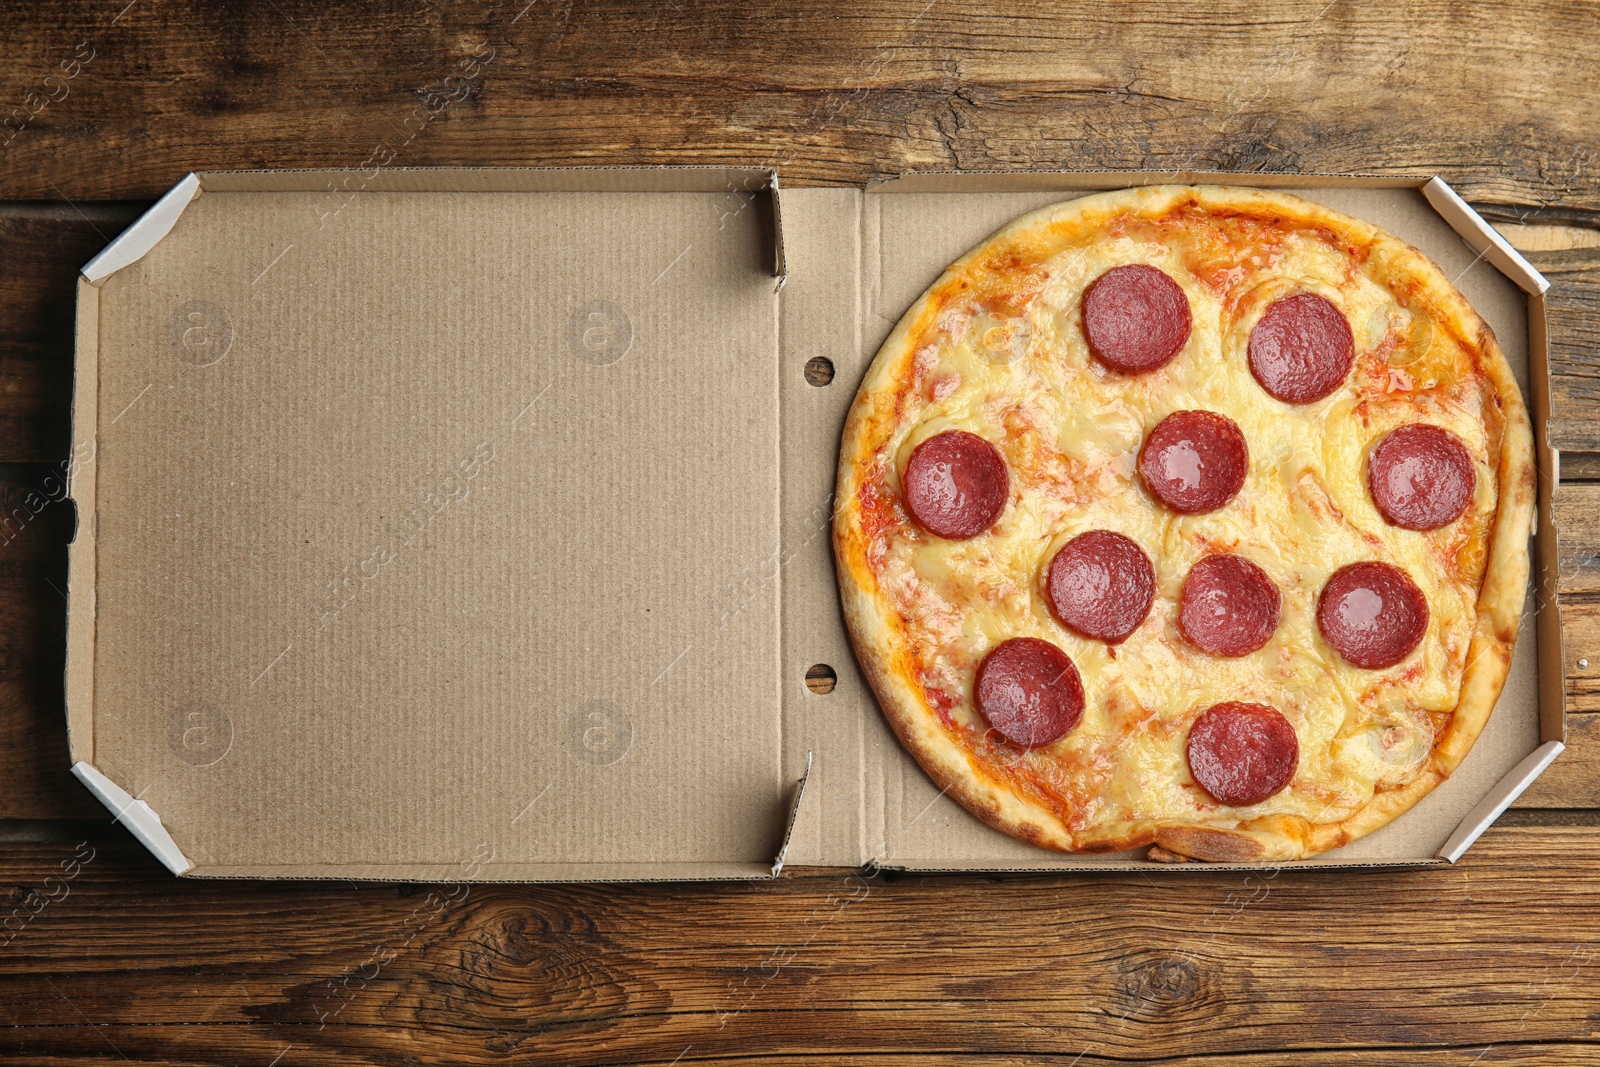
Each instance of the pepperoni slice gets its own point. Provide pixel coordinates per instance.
(1229, 606)
(1242, 753)
(956, 485)
(1301, 349)
(1372, 614)
(1135, 318)
(1194, 461)
(1421, 477)
(1100, 585)
(1029, 691)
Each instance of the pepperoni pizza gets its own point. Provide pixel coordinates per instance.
(1189, 517)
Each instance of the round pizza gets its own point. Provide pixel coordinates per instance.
(1190, 517)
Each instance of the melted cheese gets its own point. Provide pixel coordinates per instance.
(1070, 431)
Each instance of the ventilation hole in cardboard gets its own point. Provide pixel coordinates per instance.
(819, 370)
(820, 678)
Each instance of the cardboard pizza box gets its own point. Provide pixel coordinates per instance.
(474, 524)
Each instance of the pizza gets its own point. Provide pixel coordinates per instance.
(1187, 517)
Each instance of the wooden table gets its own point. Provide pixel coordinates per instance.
(1494, 961)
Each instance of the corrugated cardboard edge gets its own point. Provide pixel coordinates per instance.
(794, 815)
(140, 819)
(1499, 799)
(81, 552)
(1010, 181)
(1146, 866)
(1547, 546)
(625, 872)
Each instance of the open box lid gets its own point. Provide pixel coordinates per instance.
(401, 520)
(471, 524)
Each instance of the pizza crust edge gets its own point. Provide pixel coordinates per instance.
(881, 651)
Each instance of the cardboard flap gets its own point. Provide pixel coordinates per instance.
(1498, 799)
(131, 245)
(1547, 545)
(741, 189)
(989, 182)
(79, 680)
(774, 201)
(427, 523)
(140, 819)
(738, 182)
(794, 815)
(1484, 239)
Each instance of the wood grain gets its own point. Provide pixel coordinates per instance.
(1495, 99)
(1573, 310)
(42, 248)
(104, 957)
(34, 529)
(1129, 969)
(1573, 781)
(1578, 530)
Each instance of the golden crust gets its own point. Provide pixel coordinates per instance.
(880, 638)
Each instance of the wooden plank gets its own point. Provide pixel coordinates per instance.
(1580, 627)
(119, 103)
(1573, 308)
(1533, 237)
(1577, 518)
(42, 248)
(1580, 466)
(34, 528)
(1498, 951)
(1573, 780)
